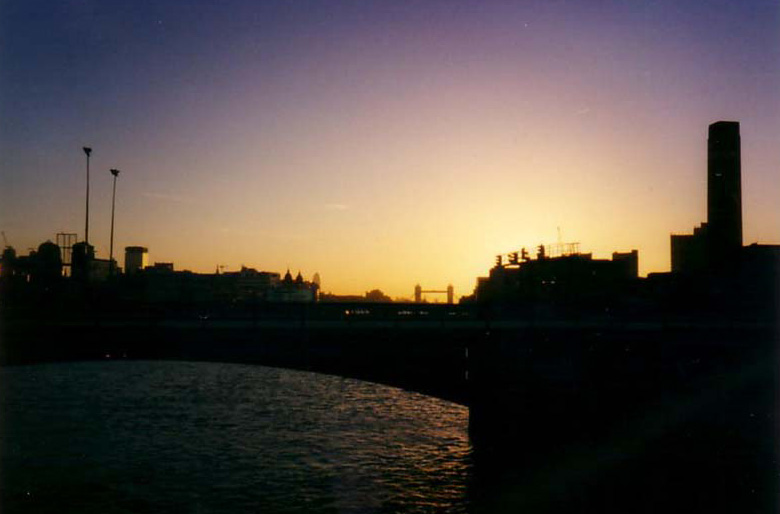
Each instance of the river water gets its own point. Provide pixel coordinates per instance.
(134, 436)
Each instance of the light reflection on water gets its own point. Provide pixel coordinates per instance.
(207, 437)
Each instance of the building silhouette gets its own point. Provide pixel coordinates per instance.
(40, 267)
(717, 242)
(160, 284)
(136, 258)
(724, 190)
(711, 269)
(559, 275)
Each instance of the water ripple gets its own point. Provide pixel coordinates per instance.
(205, 437)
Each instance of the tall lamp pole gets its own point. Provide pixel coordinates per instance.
(115, 173)
(88, 151)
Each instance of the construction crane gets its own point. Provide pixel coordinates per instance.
(5, 240)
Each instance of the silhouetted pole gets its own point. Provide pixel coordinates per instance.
(115, 173)
(88, 151)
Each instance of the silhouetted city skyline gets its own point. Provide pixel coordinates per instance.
(415, 139)
(714, 252)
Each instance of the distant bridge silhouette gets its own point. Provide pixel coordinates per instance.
(419, 291)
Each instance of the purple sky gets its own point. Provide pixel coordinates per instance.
(382, 144)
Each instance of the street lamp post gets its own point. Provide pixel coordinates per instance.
(88, 151)
(115, 173)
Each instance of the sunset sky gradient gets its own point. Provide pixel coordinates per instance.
(382, 143)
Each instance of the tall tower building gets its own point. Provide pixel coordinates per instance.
(136, 258)
(724, 190)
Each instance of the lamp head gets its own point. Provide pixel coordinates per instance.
(115, 172)
(87, 150)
